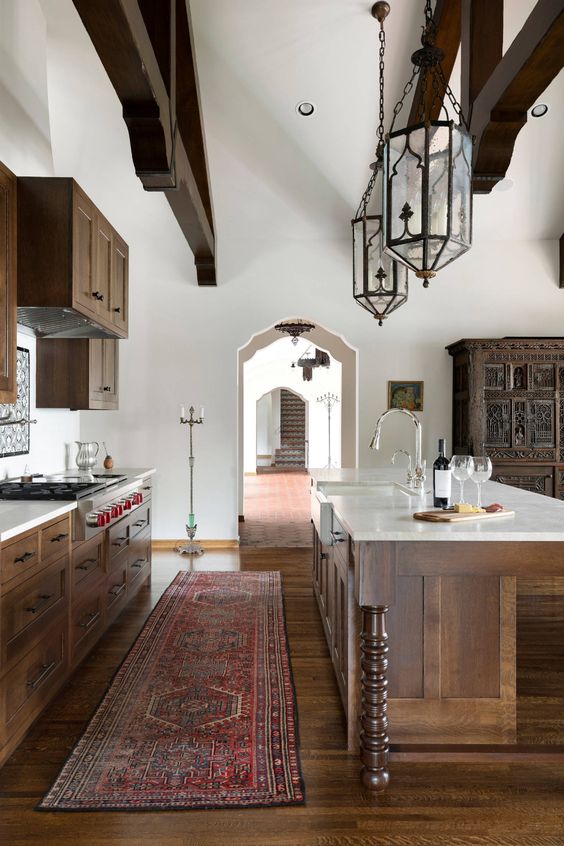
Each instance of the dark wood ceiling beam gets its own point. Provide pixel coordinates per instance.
(499, 111)
(481, 47)
(130, 39)
(447, 18)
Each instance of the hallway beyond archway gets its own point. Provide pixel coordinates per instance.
(277, 511)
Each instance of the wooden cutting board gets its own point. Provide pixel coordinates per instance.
(454, 517)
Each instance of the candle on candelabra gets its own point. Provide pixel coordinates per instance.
(202, 412)
(191, 521)
(182, 413)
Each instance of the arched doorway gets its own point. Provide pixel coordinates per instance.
(342, 352)
(281, 427)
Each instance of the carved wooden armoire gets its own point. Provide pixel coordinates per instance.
(508, 403)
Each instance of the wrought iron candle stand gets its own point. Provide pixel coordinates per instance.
(191, 548)
(329, 400)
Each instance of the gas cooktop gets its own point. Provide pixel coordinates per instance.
(58, 487)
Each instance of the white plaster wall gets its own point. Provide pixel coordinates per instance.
(25, 148)
(184, 339)
(265, 429)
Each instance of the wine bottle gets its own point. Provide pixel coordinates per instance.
(442, 477)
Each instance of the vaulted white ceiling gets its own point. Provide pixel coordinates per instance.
(276, 175)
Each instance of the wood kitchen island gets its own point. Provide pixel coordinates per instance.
(420, 618)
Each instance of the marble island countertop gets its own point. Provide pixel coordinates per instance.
(18, 516)
(386, 513)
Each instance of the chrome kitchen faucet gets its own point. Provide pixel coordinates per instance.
(415, 479)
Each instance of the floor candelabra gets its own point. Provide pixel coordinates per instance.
(191, 548)
(329, 400)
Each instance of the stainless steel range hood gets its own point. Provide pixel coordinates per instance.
(61, 323)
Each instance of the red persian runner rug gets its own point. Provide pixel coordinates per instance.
(202, 712)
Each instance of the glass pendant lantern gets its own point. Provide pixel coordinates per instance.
(427, 206)
(379, 283)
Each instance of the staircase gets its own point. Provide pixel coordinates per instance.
(290, 456)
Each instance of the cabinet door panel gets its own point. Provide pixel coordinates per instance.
(102, 292)
(7, 286)
(110, 372)
(119, 306)
(84, 252)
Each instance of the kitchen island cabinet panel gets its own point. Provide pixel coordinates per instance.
(8, 285)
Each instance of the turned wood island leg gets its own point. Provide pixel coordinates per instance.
(374, 740)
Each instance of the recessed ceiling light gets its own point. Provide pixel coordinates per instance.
(539, 110)
(305, 108)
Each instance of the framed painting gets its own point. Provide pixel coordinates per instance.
(405, 395)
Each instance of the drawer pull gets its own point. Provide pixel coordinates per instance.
(324, 556)
(93, 616)
(119, 541)
(139, 562)
(86, 564)
(98, 296)
(60, 537)
(146, 488)
(117, 589)
(338, 537)
(44, 597)
(140, 523)
(46, 670)
(25, 557)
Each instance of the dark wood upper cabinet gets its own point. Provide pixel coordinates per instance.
(8, 387)
(508, 403)
(73, 265)
(77, 373)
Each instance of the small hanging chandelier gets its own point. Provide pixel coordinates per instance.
(294, 328)
(379, 282)
(427, 204)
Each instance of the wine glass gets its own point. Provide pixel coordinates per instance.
(480, 472)
(460, 466)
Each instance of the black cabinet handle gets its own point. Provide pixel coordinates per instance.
(93, 616)
(44, 597)
(117, 310)
(117, 589)
(139, 562)
(140, 523)
(119, 541)
(46, 670)
(98, 296)
(58, 538)
(25, 557)
(338, 537)
(107, 388)
(324, 556)
(86, 564)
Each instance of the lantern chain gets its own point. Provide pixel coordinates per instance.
(380, 132)
(407, 90)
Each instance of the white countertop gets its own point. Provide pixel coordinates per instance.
(18, 516)
(387, 515)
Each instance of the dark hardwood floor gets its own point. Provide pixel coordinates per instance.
(493, 804)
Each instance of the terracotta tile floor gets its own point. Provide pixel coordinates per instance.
(277, 510)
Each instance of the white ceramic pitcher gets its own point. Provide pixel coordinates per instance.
(86, 455)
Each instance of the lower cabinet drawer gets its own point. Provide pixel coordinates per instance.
(26, 689)
(118, 537)
(139, 557)
(26, 610)
(140, 519)
(55, 539)
(87, 618)
(87, 563)
(116, 587)
(20, 556)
